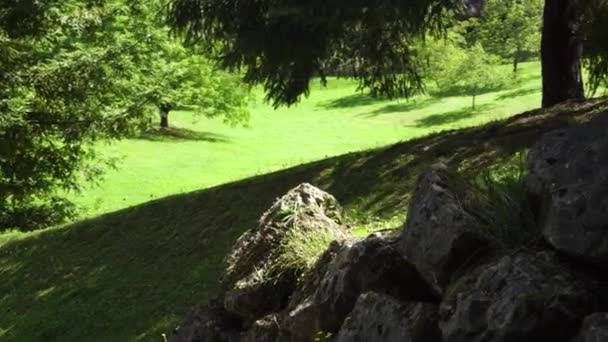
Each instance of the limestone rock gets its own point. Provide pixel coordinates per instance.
(382, 318)
(440, 234)
(521, 297)
(254, 284)
(262, 330)
(208, 323)
(595, 328)
(372, 264)
(568, 179)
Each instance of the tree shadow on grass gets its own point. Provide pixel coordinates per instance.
(350, 101)
(517, 93)
(452, 116)
(405, 106)
(175, 134)
(528, 77)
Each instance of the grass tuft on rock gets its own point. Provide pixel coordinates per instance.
(302, 248)
(503, 204)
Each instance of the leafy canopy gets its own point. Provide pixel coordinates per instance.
(76, 72)
(284, 44)
(456, 68)
(511, 27)
(595, 35)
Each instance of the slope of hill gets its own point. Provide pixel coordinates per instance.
(331, 122)
(131, 274)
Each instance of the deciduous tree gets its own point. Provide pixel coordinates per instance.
(75, 72)
(461, 70)
(511, 28)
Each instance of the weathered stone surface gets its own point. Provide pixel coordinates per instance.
(568, 178)
(595, 328)
(300, 319)
(521, 297)
(189, 330)
(373, 264)
(263, 330)
(440, 234)
(379, 317)
(254, 284)
(209, 323)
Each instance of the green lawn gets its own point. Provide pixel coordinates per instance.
(333, 121)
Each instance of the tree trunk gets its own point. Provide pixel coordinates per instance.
(164, 115)
(474, 101)
(164, 119)
(561, 50)
(515, 60)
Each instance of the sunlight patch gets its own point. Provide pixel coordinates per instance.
(43, 293)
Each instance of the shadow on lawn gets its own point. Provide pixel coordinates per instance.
(355, 100)
(452, 116)
(175, 134)
(133, 274)
(405, 106)
(517, 93)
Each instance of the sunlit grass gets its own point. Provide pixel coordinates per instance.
(333, 121)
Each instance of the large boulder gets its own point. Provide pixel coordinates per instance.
(357, 266)
(379, 317)
(595, 328)
(568, 179)
(520, 297)
(255, 282)
(441, 234)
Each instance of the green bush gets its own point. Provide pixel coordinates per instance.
(32, 215)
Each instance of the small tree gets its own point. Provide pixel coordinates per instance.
(187, 80)
(469, 71)
(511, 28)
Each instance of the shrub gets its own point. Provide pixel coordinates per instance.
(33, 215)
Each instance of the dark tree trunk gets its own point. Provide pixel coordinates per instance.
(516, 60)
(164, 115)
(164, 119)
(561, 52)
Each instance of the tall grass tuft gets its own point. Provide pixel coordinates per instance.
(302, 248)
(503, 204)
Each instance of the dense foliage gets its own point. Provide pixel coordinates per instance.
(456, 68)
(511, 29)
(595, 51)
(74, 72)
(283, 45)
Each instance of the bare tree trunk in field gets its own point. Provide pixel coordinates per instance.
(561, 50)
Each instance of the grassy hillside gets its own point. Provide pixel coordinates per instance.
(333, 121)
(132, 274)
